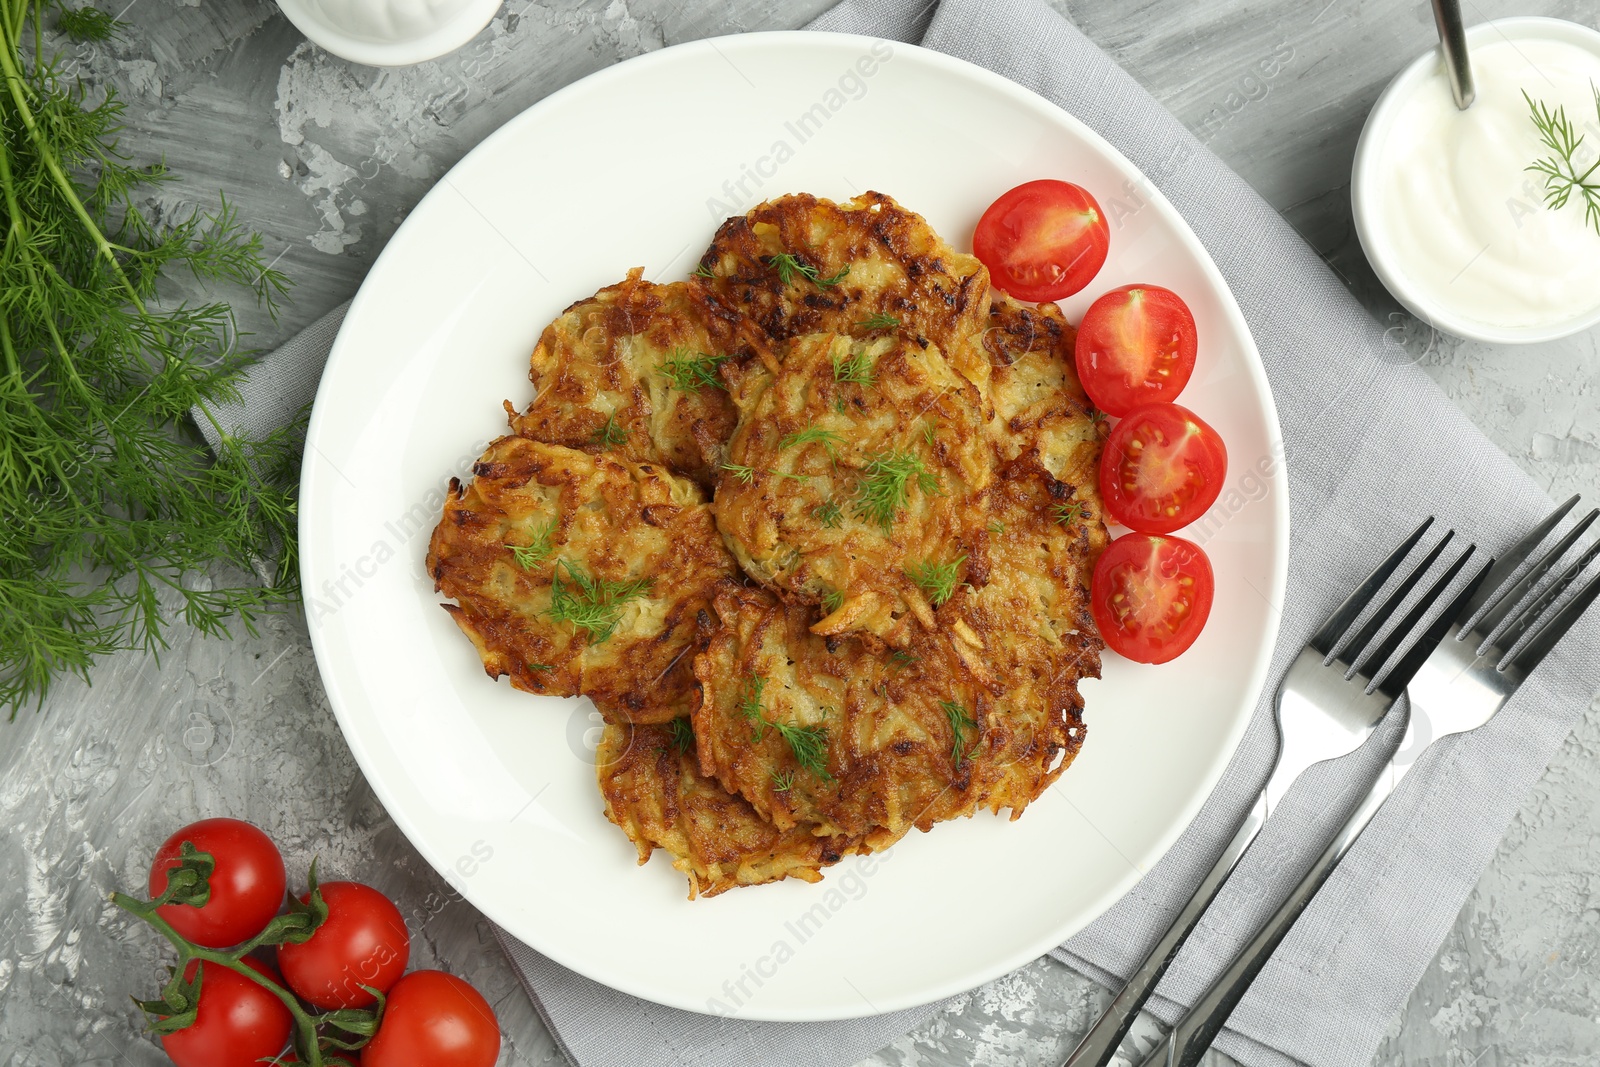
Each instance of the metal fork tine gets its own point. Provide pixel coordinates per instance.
(1537, 607)
(1514, 556)
(1369, 661)
(1503, 605)
(1348, 654)
(1459, 610)
(1556, 627)
(1345, 614)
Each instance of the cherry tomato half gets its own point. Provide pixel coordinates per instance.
(1161, 469)
(434, 1019)
(239, 1024)
(1042, 240)
(1151, 596)
(247, 884)
(363, 942)
(1136, 345)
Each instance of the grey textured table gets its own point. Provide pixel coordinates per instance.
(325, 159)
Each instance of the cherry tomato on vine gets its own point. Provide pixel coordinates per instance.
(1042, 240)
(363, 942)
(1161, 469)
(247, 884)
(434, 1019)
(238, 1025)
(1136, 345)
(1151, 596)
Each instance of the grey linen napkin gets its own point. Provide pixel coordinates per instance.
(1371, 445)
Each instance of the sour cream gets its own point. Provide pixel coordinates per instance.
(1449, 214)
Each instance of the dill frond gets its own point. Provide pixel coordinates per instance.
(938, 580)
(609, 435)
(879, 321)
(885, 486)
(88, 24)
(693, 371)
(538, 548)
(782, 783)
(1070, 512)
(744, 475)
(828, 513)
(749, 705)
(682, 734)
(1561, 175)
(857, 368)
(811, 435)
(832, 600)
(959, 721)
(809, 744)
(790, 266)
(593, 605)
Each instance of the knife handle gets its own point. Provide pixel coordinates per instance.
(1099, 1045)
(1188, 1041)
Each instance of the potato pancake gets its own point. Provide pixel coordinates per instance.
(856, 470)
(823, 731)
(575, 573)
(653, 789)
(633, 371)
(800, 264)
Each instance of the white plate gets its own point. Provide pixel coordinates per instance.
(637, 165)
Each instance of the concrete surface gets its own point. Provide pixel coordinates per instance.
(325, 159)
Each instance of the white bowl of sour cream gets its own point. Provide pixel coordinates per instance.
(389, 33)
(1453, 222)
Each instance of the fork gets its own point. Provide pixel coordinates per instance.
(1320, 715)
(1491, 644)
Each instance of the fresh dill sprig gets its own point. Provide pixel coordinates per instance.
(996, 526)
(930, 431)
(858, 368)
(828, 513)
(828, 439)
(782, 783)
(832, 600)
(789, 265)
(593, 605)
(879, 321)
(901, 658)
(682, 734)
(1561, 175)
(938, 580)
(540, 667)
(538, 548)
(749, 705)
(609, 434)
(959, 721)
(809, 744)
(885, 486)
(119, 520)
(1070, 512)
(744, 475)
(693, 371)
(703, 271)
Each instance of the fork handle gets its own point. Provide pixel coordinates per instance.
(1188, 1041)
(1099, 1045)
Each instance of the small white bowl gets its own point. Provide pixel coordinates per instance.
(1365, 187)
(390, 33)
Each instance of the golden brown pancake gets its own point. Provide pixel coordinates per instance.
(584, 574)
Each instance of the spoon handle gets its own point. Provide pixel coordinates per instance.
(1453, 42)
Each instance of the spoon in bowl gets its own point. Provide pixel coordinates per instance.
(1453, 43)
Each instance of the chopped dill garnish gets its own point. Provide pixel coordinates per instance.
(593, 605)
(782, 783)
(811, 435)
(703, 271)
(839, 405)
(885, 486)
(1561, 175)
(996, 526)
(789, 265)
(540, 667)
(929, 431)
(959, 721)
(693, 371)
(856, 367)
(745, 475)
(809, 745)
(938, 580)
(750, 705)
(828, 513)
(609, 435)
(879, 321)
(791, 477)
(682, 734)
(1070, 512)
(538, 549)
(832, 600)
(901, 658)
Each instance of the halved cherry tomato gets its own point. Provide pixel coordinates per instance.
(1042, 240)
(363, 942)
(1136, 345)
(434, 1019)
(239, 1024)
(1161, 469)
(1151, 596)
(247, 883)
